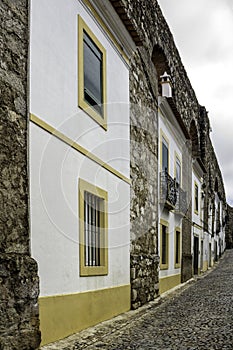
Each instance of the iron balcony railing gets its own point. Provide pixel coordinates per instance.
(168, 190)
(181, 203)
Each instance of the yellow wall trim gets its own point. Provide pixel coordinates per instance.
(168, 282)
(205, 265)
(77, 147)
(197, 225)
(63, 315)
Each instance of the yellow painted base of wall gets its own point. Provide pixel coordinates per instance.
(63, 315)
(205, 265)
(169, 282)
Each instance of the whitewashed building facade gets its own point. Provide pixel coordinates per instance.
(172, 198)
(79, 163)
(201, 240)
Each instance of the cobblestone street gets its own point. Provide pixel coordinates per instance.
(197, 316)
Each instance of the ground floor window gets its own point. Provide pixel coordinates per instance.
(177, 247)
(93, 230)
(164, 245)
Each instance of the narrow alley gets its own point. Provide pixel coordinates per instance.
(197, 316)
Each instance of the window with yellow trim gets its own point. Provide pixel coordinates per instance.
(165, 155)
(164, 243)
(196, 198)
(177, 247)
(92, 74)
(93, 230)
(178, 171)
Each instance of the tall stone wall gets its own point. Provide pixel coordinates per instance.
(145, 19)
(18, 272)
(148, 27)
(213, 181)
(144, 188)
(157, 53)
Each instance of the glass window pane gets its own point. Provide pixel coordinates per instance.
(178, 171)
(164, 156)
(92, 73)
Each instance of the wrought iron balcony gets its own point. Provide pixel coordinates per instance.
(168, 190)
(181, 203)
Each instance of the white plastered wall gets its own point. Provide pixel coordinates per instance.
(55, 168)
(54, 81)
(55, 171)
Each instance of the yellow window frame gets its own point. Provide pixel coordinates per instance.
(162, 265)
(83, 104)
(178, 158)
(196, 207)
(103, 268)
(166, 139)
(177, 264)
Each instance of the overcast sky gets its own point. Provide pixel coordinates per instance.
(203, 32)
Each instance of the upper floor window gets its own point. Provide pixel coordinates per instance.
(92, 74)
(165, 155)
(196, 198)
(178, 171)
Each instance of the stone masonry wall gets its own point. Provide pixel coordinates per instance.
(156, 54)
(148, 27)
(213, 180)
(19, 322)
(148, 21)
(144, 166)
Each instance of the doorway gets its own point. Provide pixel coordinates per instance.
(195, 255)
(215, 251)
(210, 255)
(202, 256)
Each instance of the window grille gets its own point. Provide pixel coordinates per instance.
(92, 228)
